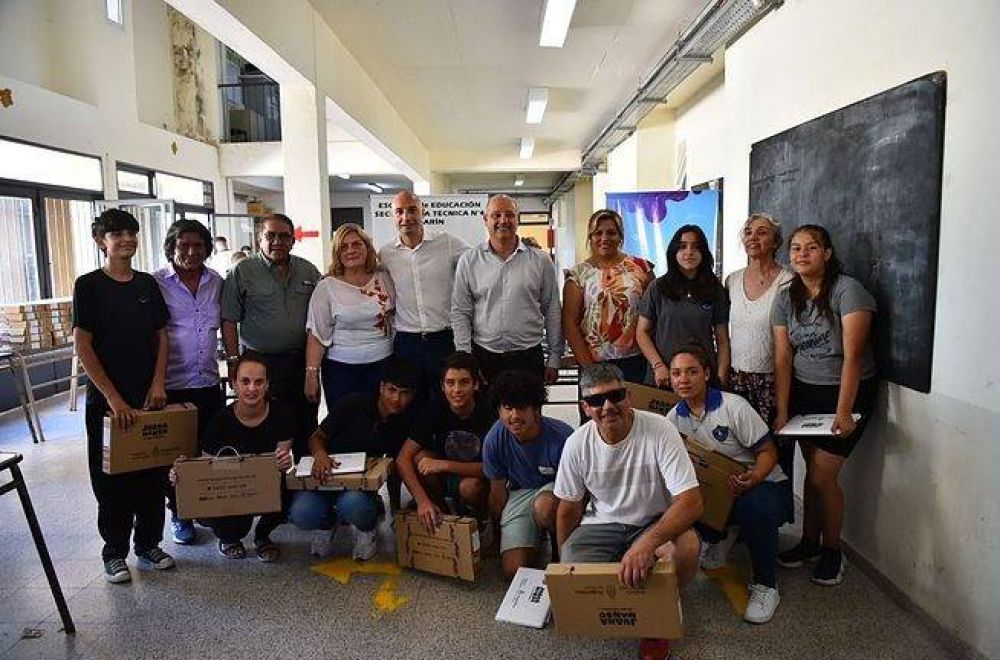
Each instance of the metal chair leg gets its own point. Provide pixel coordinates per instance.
(43, 551)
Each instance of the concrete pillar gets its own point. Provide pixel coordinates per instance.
(656, 149)
(306, 178)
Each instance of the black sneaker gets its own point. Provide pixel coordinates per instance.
(830, 568)
(116, 570)
(155, 558)
(805, 550)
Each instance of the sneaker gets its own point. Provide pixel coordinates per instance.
(116, 570)
(830, 568)
(365, 545)
(763, 602)
(715, 555)
(321, 541)
(805, 550)
(155, 558)
(654, 649)
(183, 531)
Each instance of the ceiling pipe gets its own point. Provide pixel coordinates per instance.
(719, 24)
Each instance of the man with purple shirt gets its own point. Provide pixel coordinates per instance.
(192, 293)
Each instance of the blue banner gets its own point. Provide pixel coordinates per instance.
(651, 218)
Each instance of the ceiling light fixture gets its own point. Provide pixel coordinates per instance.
(527, 147)
(538, 98)
(556, 18)
(374, 187)
(518, 181)
(344, 175)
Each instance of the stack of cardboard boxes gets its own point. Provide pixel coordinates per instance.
(36, 325)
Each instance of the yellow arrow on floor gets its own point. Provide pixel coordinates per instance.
(734, 586)
(386, 599)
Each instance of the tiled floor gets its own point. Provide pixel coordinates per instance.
(210, 607)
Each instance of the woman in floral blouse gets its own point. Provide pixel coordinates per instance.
(350, 320)
(601, 299)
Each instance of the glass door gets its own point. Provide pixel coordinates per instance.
(155, 216)
(19, 274)
(239, 230)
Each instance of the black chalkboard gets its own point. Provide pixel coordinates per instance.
(871, 174)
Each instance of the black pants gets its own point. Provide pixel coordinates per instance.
(491, 363)
(208, 401)
(287, 374)
(125, 502)
(427, 352)
(233, 528)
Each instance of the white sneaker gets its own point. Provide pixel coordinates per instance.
(321, 541)
(715, 555)
(763, 602)
(365, 545)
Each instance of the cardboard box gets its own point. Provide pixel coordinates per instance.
(527, 600)
(589, 600)
(155, 439)
(377, 471)
(713, 470)
(651, 398)
(452, 550)
(212, 487)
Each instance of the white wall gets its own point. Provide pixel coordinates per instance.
(101, 117)
(923, 498)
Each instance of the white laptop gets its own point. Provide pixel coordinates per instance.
(812, 424)
(349, 464)
(527, 600)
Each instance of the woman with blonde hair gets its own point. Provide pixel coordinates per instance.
(601, 299)
(350, 320)
(751, 295)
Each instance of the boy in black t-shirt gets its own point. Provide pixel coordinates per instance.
(444, 453)
(374, 424)
(119, 320)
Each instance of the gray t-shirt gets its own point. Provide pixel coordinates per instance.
(678, 322)
(819, 344)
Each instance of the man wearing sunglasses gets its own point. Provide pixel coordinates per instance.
(644, 495)
(264, 304)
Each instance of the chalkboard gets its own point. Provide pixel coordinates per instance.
(871, 174)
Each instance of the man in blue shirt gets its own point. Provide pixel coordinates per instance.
(520, 456)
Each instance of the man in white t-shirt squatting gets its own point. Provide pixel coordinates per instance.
(644, 495)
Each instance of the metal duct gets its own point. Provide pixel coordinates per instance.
(719, 24)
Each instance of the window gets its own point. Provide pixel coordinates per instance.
(116, 14)
(27, 162)
(19, 280)
(137, 183)
(180, 189)
(72, 250)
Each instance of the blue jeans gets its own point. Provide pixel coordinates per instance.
(320, 509)
(759, 512)
(341, 379)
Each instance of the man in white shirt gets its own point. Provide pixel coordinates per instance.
(505, 300)
(644, 495)
(222, 260)
(423, 272)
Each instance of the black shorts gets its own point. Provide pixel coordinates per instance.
(822, 399)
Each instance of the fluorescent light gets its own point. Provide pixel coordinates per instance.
(518, 181)
(538, 98)
(344, 175)
(527, 147)
(555, 22)
(374, 187)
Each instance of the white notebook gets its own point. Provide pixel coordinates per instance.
(812, 424)
(527, 600)
(349, 463)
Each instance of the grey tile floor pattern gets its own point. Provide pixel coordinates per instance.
(210, 607)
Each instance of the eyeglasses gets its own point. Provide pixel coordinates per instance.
(614, 396)
(272, 237)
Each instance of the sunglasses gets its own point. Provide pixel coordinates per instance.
(614, 396)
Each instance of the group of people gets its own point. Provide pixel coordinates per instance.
(437, 354)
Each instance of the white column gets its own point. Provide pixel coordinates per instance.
(306, 178)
